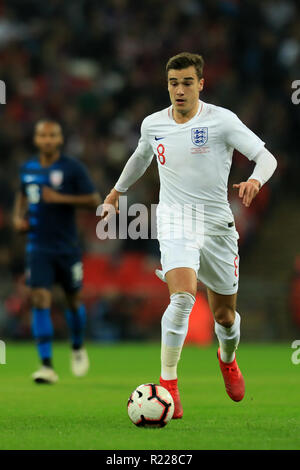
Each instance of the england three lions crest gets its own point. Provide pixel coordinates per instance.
(199, 135)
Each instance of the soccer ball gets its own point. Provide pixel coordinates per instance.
(150, 406)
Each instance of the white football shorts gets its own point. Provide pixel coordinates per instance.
(214, 258)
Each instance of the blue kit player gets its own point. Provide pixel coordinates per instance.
(52, 186)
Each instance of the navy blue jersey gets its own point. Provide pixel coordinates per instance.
(53, 226)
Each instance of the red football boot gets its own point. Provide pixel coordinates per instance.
(233, 379)
(172, 387)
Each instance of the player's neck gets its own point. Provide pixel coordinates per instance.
(48, 159)
(181, 118)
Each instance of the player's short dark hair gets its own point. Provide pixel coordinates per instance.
(184, 60)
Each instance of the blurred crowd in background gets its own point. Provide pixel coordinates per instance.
(99, 69)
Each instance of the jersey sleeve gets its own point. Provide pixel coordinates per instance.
(265, 166)
(240, 137)
(82, 181)
(137, 163)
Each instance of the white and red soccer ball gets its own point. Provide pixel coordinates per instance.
(150, 406)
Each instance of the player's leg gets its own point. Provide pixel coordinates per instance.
(76, 319)
(227, 323)
(69, 273)
(227, 328)
(42, 330)
(40, 278)
(180, 263)
(219, 272)
(182, 284)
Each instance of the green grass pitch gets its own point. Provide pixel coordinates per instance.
(91, 412)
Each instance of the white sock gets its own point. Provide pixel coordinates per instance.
(174, 330)
(170, 356)
(229, 339)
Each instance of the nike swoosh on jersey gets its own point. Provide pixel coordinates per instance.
(158, 138)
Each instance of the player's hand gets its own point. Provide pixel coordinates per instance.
(20, 225)
(50, 196)
(110, 205)
(248, 190)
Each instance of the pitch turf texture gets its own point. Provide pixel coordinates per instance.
(91, 412)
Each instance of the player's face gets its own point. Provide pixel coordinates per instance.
(184, 87)
(48, 138)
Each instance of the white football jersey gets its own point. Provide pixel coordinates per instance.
(194, 160)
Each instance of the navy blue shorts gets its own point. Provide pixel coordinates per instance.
(45, 269)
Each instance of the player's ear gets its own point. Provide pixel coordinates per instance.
(201, 84)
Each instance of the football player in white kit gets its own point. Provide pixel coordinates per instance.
(193, 142)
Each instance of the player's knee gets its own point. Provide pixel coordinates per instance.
(40, 298)
(179, 309)
(224, 315)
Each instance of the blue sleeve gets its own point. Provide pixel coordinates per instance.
(82, 181)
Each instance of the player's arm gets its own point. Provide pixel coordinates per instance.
(20, 223)
(82, 200)
(264, 168)
(133, 170)
(249, 144)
